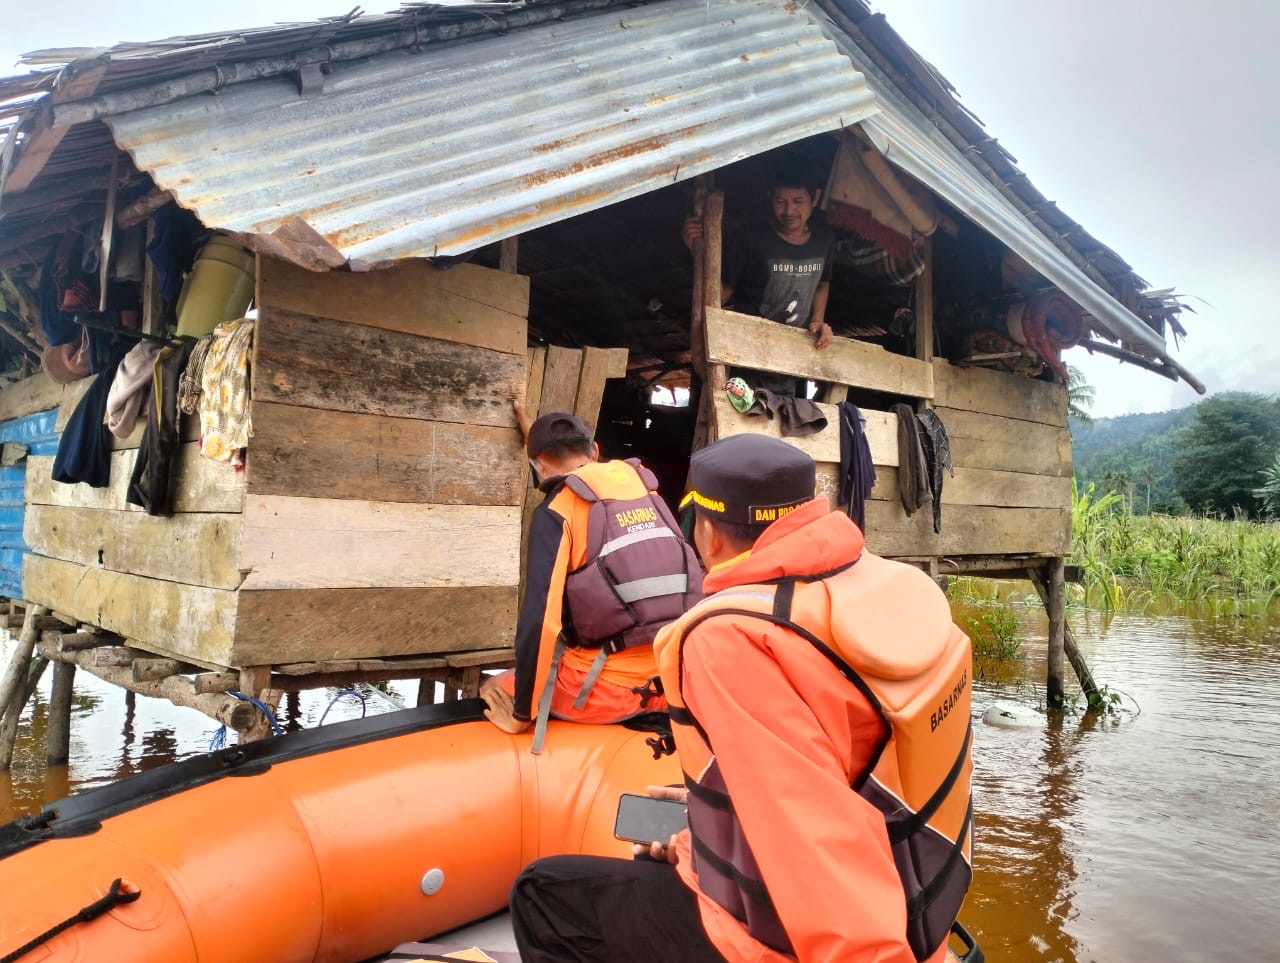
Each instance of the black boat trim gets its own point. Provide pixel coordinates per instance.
(83, 813)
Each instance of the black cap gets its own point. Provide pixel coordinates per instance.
(557, 428)
(752, 479)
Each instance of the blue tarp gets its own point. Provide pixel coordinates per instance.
(37, 433)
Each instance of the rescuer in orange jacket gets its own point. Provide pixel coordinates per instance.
(607, 568)
(819, 698)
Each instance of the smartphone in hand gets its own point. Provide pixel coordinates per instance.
(645, 820)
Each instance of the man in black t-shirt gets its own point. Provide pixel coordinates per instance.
(782, 270)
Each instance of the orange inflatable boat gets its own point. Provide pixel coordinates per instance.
(329, 844)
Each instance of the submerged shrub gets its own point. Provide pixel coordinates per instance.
(995, 632)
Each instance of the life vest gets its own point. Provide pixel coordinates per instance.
(638, 573)
(920, 773)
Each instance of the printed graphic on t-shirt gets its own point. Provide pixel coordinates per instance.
(775, 279)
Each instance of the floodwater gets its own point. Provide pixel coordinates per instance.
(1145, 835)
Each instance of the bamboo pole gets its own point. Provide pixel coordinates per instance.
(58, 748)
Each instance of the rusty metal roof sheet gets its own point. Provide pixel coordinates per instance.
(411, 154)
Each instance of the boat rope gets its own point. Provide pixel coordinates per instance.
(364, 704)
(262, 707)
(119, 893)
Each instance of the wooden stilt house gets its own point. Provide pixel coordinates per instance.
(452, 209)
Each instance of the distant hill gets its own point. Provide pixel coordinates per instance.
(1132, 454)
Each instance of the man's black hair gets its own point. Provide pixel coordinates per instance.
(562, 450)
(790, 171)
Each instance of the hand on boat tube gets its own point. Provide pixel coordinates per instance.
(500, 710)
(657, 851)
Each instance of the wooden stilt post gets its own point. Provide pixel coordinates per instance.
(13, 684)
(9, 727)
(427, 690)
(1055, 607)
(707, 289)
(15, 674)
(58, 750)
(1069, 646)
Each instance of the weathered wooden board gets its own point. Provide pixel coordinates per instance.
(183, 621)
(999, 393)
(560, 378)
(970, 486)
(1006, 489)
(26, 397)
(881, 431)
(750, 342)
(967, 529)
(338, 454)
(203, 485)
(597, 367)
(320, 363)
(1006, 444)
(972, 530)
(467, 304)
(192, 548)
(325, 624)
(297, 543)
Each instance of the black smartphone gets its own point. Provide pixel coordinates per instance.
(643, 819)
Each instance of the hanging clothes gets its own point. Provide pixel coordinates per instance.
(189, 386)
(152, 483)
(225, 426)
(130, 387)
(857, 470)
(937, 456)
(84, 451)
(913, 478)
(797, 417)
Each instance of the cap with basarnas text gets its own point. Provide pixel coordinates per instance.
(557, 428)
(750, 478)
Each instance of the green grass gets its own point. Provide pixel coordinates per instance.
(1218, 567)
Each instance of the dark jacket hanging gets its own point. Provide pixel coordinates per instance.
(913, 476)
(937, 456)
(857, 471)
(84, 451)
(152, 484)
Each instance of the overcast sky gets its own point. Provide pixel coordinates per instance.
(1151, 122)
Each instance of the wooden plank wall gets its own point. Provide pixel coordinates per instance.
(1011, 493)
(385, 479)
(167, 584)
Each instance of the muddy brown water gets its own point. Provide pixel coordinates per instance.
(1149, 835)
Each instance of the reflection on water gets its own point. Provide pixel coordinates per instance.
(1148, 836)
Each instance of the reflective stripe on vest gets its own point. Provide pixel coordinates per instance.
(638, 573)
(919, 776)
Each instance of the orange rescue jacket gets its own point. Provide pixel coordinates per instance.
(820, 702)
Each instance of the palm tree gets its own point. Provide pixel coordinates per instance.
(1080, 395)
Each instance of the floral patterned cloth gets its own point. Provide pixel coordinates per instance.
(225, 426)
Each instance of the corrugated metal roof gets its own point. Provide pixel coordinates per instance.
(440, 152)
(37, 433)
(909, 140)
